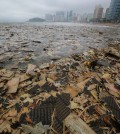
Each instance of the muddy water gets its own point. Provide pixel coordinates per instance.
(37, 43)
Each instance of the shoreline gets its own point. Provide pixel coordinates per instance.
(23, 44)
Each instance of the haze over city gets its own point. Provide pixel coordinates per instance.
(22, 10)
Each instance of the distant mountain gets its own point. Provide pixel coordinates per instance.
(36, 20)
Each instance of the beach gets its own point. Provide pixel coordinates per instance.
(59, 78)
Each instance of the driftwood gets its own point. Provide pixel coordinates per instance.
(77, 125)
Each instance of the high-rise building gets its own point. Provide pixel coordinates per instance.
(60, 16)
(69, 15)
(75, 18)
(98, 12)
(89, 16)
(85, 17)
(49, 17)
(114, 10)
(107, 13)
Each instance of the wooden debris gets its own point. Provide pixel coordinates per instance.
(12, 85)
(77, 125)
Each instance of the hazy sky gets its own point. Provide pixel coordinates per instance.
(21, 10)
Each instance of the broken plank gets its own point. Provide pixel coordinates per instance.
(77, 125)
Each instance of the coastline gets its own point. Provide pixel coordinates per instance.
(38, 43)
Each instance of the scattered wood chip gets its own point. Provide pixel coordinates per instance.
(12, 113)
(72, 90)
(12, 85)
(30, 69)
(77, 125)
(5, 127)
(24, 77)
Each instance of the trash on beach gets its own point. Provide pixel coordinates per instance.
(80, 93)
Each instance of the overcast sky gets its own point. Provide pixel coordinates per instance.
(22, 10)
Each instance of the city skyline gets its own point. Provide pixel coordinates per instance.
(19, 10)
(100, 14)
(68, 16)
(71, 16)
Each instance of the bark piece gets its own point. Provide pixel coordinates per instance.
(71, 90)
(77, 125)
(38, 129)
(31, 69)
(24, 77)
(12, 85)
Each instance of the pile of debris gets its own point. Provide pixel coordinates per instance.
(80, 94)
